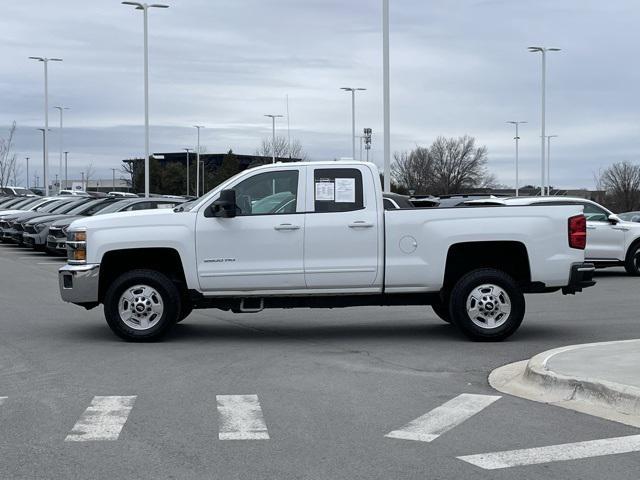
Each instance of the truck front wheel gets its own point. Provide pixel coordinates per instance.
(487, 305)
(142, 305)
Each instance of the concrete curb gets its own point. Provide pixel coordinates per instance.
(534, 380)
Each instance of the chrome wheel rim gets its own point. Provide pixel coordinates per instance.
(488, 306)
(140, 307)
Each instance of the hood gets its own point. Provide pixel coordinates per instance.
(45, 219)
(129, 219)
(6, 213)
(65, 221)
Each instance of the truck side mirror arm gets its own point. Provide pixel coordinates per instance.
(224, 206)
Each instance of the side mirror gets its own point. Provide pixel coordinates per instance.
(613, 219)
(225, 206)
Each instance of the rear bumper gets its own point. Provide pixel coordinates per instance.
(581, 276)
(79, 283)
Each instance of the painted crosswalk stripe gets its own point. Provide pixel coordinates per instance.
(555, 453)
(241, 418)
(103, 420)
(431, 425)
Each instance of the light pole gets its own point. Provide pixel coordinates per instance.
(198, 127)
(83, 189)
(113, 178)
(549, 137)
(188, 150)
(273, 136)
(27, 172)
(353, 91)
(386, 97)
(145, 7)
(61, 110)
(543, 51)
(44, 159)
(517, 139)
(45, 62)
(66, 177)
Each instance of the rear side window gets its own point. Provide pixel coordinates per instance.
(337, 190)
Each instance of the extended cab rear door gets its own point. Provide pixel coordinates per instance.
(343, 231)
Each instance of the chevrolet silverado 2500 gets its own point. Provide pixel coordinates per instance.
(317, 235)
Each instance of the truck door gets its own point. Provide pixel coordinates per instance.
(342, 229)
(260, 248)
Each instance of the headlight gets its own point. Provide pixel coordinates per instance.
(77, 247)
(40, 227)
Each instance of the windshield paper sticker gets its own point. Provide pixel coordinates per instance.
(345, 190)
(325, 191)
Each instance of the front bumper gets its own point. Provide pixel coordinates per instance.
(581, 276)
(79, 283)
(57, 244)
(33, 239)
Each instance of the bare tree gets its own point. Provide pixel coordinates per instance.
(89, 173)
(449, 165)
(413, 170)
(7, 158)
(282, 148)
(622, 184)
(458, 164)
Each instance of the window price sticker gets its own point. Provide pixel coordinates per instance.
(325, 191)
(345, 190)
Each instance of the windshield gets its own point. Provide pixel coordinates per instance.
(90, 208)
(115, 207)
(13, 202)
(48, 207)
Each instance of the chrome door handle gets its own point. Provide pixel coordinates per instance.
(360, 224)
(287, 226)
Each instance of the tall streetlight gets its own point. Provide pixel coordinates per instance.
(386, 97)
(198, 127)
(145, 7)
(44, 159)
(66, 177)
(517, 139)
(27, 172)
(549, 137)
(61, 109)
(188, 150)
(113, 178)
(543, 51)
(45, 61)
(353, 91)
(273, 136)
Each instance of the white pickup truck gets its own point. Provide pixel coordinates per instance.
(316, 234)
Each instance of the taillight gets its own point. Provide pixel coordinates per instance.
(578, 232)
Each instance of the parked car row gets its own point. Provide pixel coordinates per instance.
(41, 222)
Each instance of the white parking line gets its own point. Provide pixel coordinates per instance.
(49, 263)
(103, 420)
(431, 425)
(2, 399)
(555, 453)
(241, 418)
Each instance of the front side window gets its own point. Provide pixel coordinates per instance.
(268, 193)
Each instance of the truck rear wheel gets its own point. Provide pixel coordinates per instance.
(487, 305)
(142, 305)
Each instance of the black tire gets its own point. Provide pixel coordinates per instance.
(632, 262)
(441, 309)
(169, 295)
(514, 296)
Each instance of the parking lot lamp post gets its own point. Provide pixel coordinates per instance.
(543, 51)
(386, 96)
(549, 137)
(45, 61)
(113, 178)
(145, 7)
(61, 139)
(27, 172)
(66, 177)
(517, 139)
(353, 91)
(44, 156)
(83, 189)
(198, 127)
(188, 150)
(273, 136)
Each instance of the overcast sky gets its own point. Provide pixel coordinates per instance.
(457, 67)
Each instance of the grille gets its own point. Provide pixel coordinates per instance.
(30, 229)
(57, 233)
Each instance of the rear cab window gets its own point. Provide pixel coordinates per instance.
(337, 190)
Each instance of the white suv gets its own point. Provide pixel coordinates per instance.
(611, 241)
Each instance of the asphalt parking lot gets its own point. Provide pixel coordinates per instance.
(321, 389)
